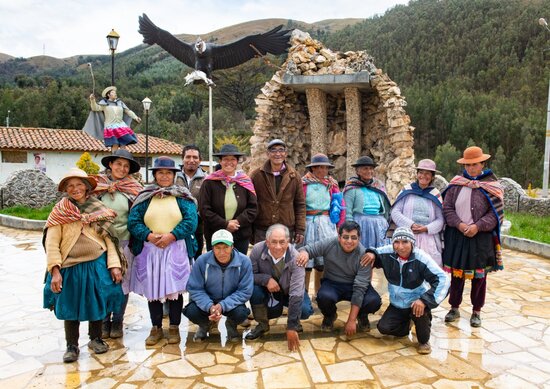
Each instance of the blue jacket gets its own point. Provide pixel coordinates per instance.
(410, 282)
(209, 284)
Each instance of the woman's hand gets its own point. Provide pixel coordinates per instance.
(116, 274)
(471, 231)
(57, 280)
(419, 228)
(153, 238)
(165, 240)
(233, 225)
(138, 119)
(92, 97)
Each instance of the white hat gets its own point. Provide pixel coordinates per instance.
(222, 236)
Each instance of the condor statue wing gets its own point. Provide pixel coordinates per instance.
(152, 34)
(274, 42)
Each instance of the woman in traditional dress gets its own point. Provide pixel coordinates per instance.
(367, 203)
(320, 190)
(84, 266)
(474, 211)
(116, 124)
(162, 222)
(117, 189)
(419, 207)
(227, 200)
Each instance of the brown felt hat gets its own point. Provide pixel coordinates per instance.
(473, 154)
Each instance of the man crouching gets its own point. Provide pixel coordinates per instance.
(278, 282)
(407, 269)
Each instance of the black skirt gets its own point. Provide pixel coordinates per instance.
(468, 254)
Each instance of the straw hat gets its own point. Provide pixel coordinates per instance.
(75, 172)
(473, 154)
(124, 154)
(107, 90)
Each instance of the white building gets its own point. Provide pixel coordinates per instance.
(55, 151)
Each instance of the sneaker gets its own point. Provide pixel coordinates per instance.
(155, 336)
(328, 323)
(105, 329)
(201, 334)
(363, 323)
(98, 345)
(452, 315)
(173, 334)
(71, 355)
(424, 348)
(475, 320)
(116, 330)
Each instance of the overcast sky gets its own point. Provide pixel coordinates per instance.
(63, 28)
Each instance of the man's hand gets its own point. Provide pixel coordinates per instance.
(116, 274)
(298, 238)
(293, 340)
(233, 225)
(272, 285)
(350, 328)
(215, 313)
(367, 259)
(57, 280)
(302, 258)
(418, 308)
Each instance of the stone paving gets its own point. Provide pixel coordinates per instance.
(510, 350)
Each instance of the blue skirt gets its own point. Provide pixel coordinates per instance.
(88, 292)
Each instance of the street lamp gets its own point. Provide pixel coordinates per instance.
(546, 166)
(8, 119)
(146, 106)
(112, 40)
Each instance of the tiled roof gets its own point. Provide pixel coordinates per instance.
(20, 138)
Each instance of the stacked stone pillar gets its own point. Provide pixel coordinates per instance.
(317, 107)
(353, 128)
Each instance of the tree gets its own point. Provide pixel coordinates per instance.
(445, 158)
(87, 164)
(498, 163)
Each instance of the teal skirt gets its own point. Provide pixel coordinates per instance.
(88, 292)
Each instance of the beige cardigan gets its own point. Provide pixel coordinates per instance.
(61, 239)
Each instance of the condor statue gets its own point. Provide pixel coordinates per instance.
(207, 57)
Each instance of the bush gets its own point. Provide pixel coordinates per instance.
(87, 164)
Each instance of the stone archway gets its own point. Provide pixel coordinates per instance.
(339, 104)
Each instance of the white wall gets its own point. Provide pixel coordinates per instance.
(57, 163)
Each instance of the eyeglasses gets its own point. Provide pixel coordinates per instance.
(349, 237)
(277, 151)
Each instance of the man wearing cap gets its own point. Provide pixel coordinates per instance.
(280, 195)
(408, 270)
(220, 284)
(344, 278)
(192, 177)
(278, 282)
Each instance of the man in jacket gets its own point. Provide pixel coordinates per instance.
(344, 278)
(278, 282)
(407, 270)
(192, 177)
(220, 284)
(280, 195)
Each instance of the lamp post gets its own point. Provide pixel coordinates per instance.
(546, 166)
(8, 119)
(112, 40)
(146, 106)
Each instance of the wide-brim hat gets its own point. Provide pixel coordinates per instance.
(473, 154)
(427, 164)
(276, 142)
(124, 154)
(75, 172)
(107, 90)
(222, 236)
(164, 163)
(364, 161)
(320, 160)
(228, 150)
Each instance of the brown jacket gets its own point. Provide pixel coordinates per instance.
(287, 207)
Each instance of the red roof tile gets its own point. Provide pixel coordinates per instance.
(20, 138)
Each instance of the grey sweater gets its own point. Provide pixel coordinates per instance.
(343, 267)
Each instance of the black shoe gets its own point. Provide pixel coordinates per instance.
(201, 334)
(257, 332)
(475, 320)
(363, 323)
(98, 345)
(71, 355)
(116, 330)
(299, 328)
(328, 323)
(105, 329)
(452, 315)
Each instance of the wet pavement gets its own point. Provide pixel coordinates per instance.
(510, 350)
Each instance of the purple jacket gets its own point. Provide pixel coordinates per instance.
(482, 213)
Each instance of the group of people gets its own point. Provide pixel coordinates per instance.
(110, 236)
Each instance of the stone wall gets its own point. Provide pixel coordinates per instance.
(282, 112)
(29, 188)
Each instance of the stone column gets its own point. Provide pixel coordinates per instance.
(353, 128)
(317, 107)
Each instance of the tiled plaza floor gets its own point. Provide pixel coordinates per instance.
(510, 350)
